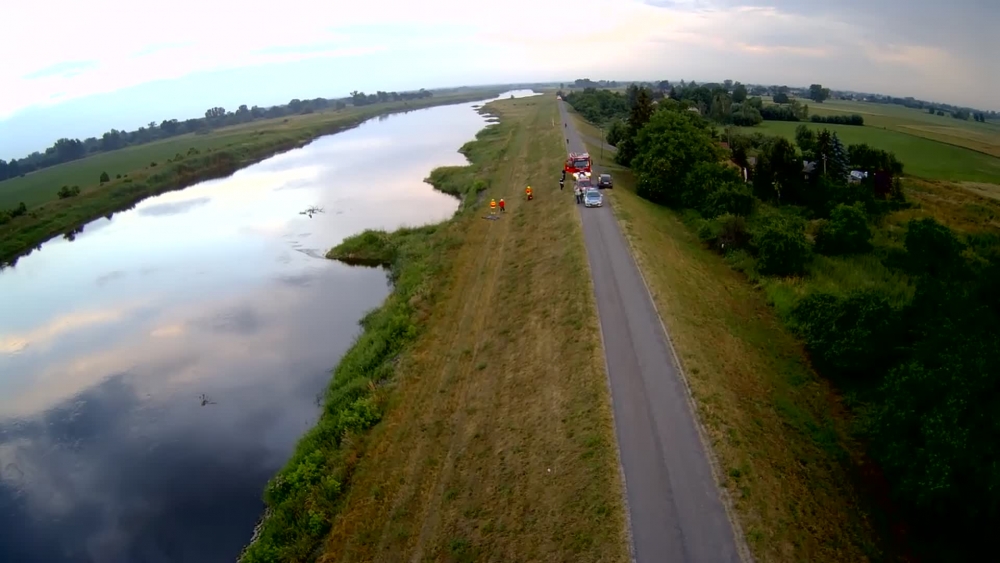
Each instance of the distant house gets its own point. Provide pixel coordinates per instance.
(856, 176)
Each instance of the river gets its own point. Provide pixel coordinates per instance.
(156, 371)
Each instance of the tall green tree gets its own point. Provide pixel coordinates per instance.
(818, 93)
(642, 110)
(739, 93)
(667, 150)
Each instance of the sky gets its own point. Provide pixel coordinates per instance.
(77, 69)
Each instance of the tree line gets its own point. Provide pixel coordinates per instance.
(67, 150)
(918, 345)
(725, 104)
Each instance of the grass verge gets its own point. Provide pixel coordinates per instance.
(471, 421)
(780, 433)
(155, 168)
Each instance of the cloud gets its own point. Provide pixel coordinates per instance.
(67, 69)
(898, 48)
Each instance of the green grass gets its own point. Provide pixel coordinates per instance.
(920, 156)
(471, 421)
(980, 137)
(219, 154)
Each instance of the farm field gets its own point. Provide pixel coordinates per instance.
(921, 156)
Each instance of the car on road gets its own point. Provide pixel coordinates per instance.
(604, 181)
(593, 198)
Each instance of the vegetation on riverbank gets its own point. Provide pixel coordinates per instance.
(135, 173)
(480, 383)
(888, 283)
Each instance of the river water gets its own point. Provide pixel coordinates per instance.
(156, 371)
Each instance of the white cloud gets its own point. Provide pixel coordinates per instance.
(126, 43)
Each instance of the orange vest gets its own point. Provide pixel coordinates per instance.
(493, 204)
(527, 190)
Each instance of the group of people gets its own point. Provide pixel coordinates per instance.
(503, 209)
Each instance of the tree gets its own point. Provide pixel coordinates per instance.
(667, 149)
(728, 85)
(846, 232)
(781, 247)
(105, 177)
(739, 93)
(805, 138)
(721, 109)
(818, 93)
(831, 155)
(778, 173)
(641, 111)
(780, 98)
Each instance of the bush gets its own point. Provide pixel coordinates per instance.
(105, 177)
(704, 179)
(67, 192)
(932, 249)
(853, 119)
(781, 247)
(846, 232)
(849, 336)
(735, 198)
(726, 233)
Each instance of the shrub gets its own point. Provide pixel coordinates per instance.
(849, 336)
(704, 179)
(781, 246)
(846, 232)
(932, 248)
(105, 177)
(735, 198)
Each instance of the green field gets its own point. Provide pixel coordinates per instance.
(38, 187)
(146, 170)
(921, 157)
(980, 137)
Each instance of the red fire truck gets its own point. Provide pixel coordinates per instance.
(578, 162)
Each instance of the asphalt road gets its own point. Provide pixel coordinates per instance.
(674, 506)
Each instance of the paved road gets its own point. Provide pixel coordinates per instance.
(674, 506)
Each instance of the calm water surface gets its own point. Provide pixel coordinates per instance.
(157, 371)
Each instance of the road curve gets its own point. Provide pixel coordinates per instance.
(675, 511)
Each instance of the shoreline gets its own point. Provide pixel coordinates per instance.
(25, 234)
(358, 392)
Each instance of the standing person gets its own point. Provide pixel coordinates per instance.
(502, 209)
(576, 192)
(527, 192)
(493, 207)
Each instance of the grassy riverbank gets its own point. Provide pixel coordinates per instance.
(175, 163)
(471, 420)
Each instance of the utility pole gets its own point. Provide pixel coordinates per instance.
(602, 144)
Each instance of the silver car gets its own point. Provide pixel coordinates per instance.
(593, 198)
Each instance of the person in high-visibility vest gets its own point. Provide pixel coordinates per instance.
(527, 192)
(493, 207)
(501, 206)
